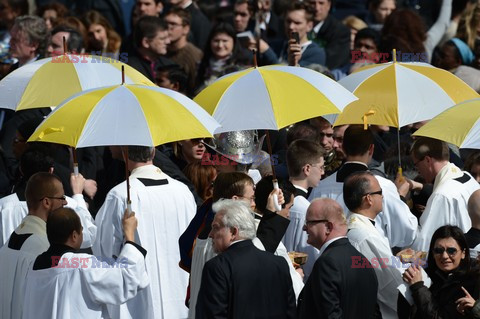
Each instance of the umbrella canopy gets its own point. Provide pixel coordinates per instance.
(398, 94)
(459, 125)
(271, 97)
(47, 82)
(125, 115)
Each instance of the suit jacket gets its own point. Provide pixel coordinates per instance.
(335, 38)
(336, 289)
(245, 282)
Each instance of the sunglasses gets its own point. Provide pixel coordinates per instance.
(451, 251)
(380, 192)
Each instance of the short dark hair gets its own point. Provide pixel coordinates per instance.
(300, 153)
(457, 234)
(175, 74)
(182, 13)
(368, 33)
(252, 5)
(140, 154)
(355, 187)
(33, 161)
(302, 130)
(60, 225)
(75, 40)
(426, 146)
(147, 27)
(39, 186)
(300, 5)
(357, 140)
(265, 186)
(227, 185)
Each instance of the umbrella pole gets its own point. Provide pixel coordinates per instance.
(278, 207)
(64, 45)
(123, 74)
(400, 171)
(75, 162)
(129, 202)
(255, 64)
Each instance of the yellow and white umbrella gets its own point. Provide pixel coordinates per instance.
(271, 97)
(459, 125)
(125, 115)
(47, 82)
(397, 94)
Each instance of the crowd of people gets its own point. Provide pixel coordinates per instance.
(204, 233)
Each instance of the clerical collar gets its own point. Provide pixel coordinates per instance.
(300, 191)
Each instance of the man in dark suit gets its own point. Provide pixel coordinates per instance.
(242, 281)
(331, 34)
(336, 288)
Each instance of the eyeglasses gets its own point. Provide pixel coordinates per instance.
(416, 163)
(251, 199)
(380, 192)
(319, 167)
(451, 251)
(315, 221)
(62, 198)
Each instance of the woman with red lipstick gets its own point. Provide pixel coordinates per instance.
(454, 280)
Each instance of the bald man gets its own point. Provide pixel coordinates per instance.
(473, 235)
(328, 291)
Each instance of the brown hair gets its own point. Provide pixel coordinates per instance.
(202, 177)
(114, 40)
(227, 185)
(301, 153)
(39, 186)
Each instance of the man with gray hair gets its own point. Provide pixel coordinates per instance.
(28, 40)
(164, 209)
(242, 281)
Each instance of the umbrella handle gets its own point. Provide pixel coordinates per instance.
(278, 207)
(75, 169)
(129, 207)
(400, 173)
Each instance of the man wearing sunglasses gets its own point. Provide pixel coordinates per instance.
(452, 188)
(363, 196)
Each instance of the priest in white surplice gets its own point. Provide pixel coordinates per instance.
(13, 208)
(66, 284)
(44, 193)
(363, 197)
(396, 221)
(165, 208)
(452, 188)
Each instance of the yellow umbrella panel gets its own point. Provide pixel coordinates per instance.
(47, 82)
(125, 115)
(398, 94)
(271, 97)
(459, 125)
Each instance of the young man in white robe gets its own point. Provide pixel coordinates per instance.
(165, 207)
(66, 284)
(395, 221)
(363, 196)
(452, 188)
(44, 193)
(306, 167)
(13, 208)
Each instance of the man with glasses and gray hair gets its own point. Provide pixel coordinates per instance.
(363, 196)
(242, 281)
(335, 289)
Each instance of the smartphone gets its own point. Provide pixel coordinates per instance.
(295, 36)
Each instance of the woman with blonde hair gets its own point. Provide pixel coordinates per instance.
(101, 36)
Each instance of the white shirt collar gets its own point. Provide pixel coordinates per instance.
(317, 27)
(322, 249)
(187, 4)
